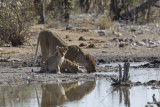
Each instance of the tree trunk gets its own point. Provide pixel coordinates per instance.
(40, 7)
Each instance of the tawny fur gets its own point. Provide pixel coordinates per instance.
(48, 42)
(70, 67)
(54, 63)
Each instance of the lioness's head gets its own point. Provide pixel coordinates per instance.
(62, 50)
(91, 66)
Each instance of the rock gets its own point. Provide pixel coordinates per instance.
(42, 28)
(104, 51)
(119, 35)
(152, 46)
(91, 46)
(158, 41)
(140, 43)
(145, 40)
(139, 32)
(115, 40)
(82, 39)
(101, 61)
(122, 44)
(102, 33)
(133, 36)
(69, 27)
(67, 36)
(131, 40)
(126, 40)
(151, 43)
(115, 33)
(133, 29)
(82, 45)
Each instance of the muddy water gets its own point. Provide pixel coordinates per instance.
(76, 94)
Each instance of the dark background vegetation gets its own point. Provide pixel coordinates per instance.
(17, 15)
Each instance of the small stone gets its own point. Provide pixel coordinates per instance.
(101, 61)
(145, 40)
(131, 40)
(119, 35)
(133, 29)
(91, 46)
(115, 33)
(133, 36)
(82, 39)
(67, 36)
(104, 51)
(69, 27)
(82, 45)
(140, 43)
(102, 33)
(122, 44)
(64, 80)
(115, 40)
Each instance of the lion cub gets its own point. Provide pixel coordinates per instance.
(70, 67)
(54, 63)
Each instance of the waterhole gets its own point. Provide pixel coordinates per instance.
(98, 93)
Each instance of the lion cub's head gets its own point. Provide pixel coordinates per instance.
(62, 50)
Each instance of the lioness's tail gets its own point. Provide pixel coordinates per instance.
(35, 57)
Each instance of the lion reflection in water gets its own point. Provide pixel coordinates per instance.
(58, 94)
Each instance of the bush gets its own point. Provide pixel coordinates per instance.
(15, 16)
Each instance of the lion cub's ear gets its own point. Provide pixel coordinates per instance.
(57, 47)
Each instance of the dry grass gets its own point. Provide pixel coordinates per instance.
(103, 22)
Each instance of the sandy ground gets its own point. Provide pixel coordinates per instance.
(15, 61)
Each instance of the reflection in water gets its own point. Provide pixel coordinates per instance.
(124, 94)
(98, 93)
(46, 95)
(58, 94)
(16, 96)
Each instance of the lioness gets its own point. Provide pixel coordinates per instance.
(48, 42)
(70, 67)
(54, 62)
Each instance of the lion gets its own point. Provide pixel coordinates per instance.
(70, 67)
(54, 63)
(48, 42)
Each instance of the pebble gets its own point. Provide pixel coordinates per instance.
(140, 43)
(102, 33)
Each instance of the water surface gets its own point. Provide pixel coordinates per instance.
(98, 93)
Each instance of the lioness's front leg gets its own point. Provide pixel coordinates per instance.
(58, 70)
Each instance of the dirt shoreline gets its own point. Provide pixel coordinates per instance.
(21, 72)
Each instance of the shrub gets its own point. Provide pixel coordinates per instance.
(15, 16)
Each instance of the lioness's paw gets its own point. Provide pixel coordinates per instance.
(58, 72)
